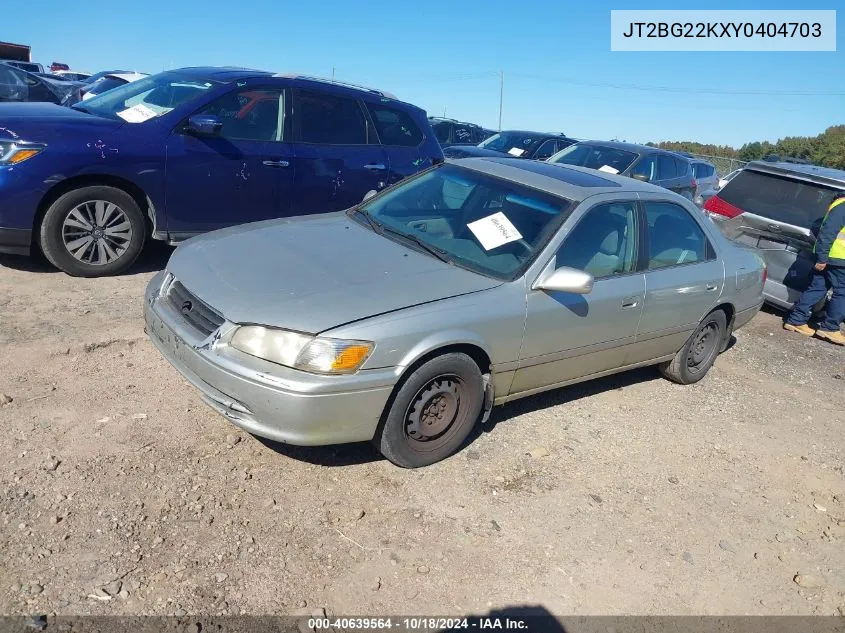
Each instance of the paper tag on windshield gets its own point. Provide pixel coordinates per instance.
(137, 113)
(608, 169)
(516, 151)
(494, 230)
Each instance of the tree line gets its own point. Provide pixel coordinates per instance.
(827, 149)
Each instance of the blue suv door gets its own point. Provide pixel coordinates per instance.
(338, 156)
(242, 174)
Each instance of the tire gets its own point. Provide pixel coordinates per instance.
(77, 215)
(439, 403)
(698, 354)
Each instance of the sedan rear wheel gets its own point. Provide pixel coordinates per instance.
(696, 357)
(433, 411)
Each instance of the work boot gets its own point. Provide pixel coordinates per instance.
(804, 329)
(833, 337)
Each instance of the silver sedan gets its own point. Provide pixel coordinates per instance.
(404, 320)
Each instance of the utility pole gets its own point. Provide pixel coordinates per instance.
(444, 112)
(332, 73)
(501, 95)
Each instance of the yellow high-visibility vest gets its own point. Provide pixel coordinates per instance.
(837, 250)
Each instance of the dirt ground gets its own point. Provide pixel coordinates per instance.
(122, 493)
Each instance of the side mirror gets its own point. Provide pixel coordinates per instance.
(640, 177)
(205, 125)
(566, 279)
(369, 195)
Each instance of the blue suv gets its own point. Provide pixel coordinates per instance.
(193, 150)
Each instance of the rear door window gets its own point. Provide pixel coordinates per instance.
(666, 167)
(778, 198)
(328, 119)
(674, 238)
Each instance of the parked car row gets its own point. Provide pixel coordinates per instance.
(514, 144)
(61, 87)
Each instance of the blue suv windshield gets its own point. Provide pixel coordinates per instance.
(146, 98)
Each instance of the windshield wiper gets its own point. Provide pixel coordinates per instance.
(381, 228)
(377, 226)
(439, 253)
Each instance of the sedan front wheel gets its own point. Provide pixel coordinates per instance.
(433, 411)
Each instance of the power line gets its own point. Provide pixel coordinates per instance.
(710, 91)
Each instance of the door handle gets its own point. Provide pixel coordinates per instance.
(375, 167)
(275, 163)
(630, 302)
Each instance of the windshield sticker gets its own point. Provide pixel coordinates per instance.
(494, 230)
(608, 169)
(516, 151)
(137, 113)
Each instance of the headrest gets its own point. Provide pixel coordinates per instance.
(667, 225)
(610, 244)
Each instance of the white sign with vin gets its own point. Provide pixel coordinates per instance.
(494, 230)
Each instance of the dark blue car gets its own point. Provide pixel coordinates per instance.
(193, 150)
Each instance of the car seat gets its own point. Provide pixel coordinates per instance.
(672, 242)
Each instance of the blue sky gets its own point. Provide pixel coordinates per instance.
(447, 56)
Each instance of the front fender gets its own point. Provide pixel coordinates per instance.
(439, 340)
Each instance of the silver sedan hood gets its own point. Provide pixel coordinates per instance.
(313, 273)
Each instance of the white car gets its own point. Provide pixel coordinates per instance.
(112, 80)
(726, 179)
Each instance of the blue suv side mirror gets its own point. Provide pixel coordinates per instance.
(204, 125)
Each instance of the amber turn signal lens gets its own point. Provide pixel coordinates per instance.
(350, 357)
(21, 155)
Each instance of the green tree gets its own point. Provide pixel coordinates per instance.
(827, 149)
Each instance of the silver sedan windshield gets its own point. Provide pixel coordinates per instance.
(487, 224)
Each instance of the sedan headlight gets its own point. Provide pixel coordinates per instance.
(13, 153)
(301, 351)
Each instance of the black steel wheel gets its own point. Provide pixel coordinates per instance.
(433, 411)
(696, 357)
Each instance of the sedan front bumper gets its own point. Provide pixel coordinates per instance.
(265, 399)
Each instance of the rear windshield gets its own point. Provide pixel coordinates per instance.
(777, 198)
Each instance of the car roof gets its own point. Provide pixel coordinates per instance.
(634, 147)
(567, 181)
(228, 74)
(812, 173)
(532, 133)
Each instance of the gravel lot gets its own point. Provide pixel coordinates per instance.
(122, 493)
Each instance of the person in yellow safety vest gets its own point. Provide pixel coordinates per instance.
(828, 273)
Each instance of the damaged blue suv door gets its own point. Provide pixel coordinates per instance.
(192, 150)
